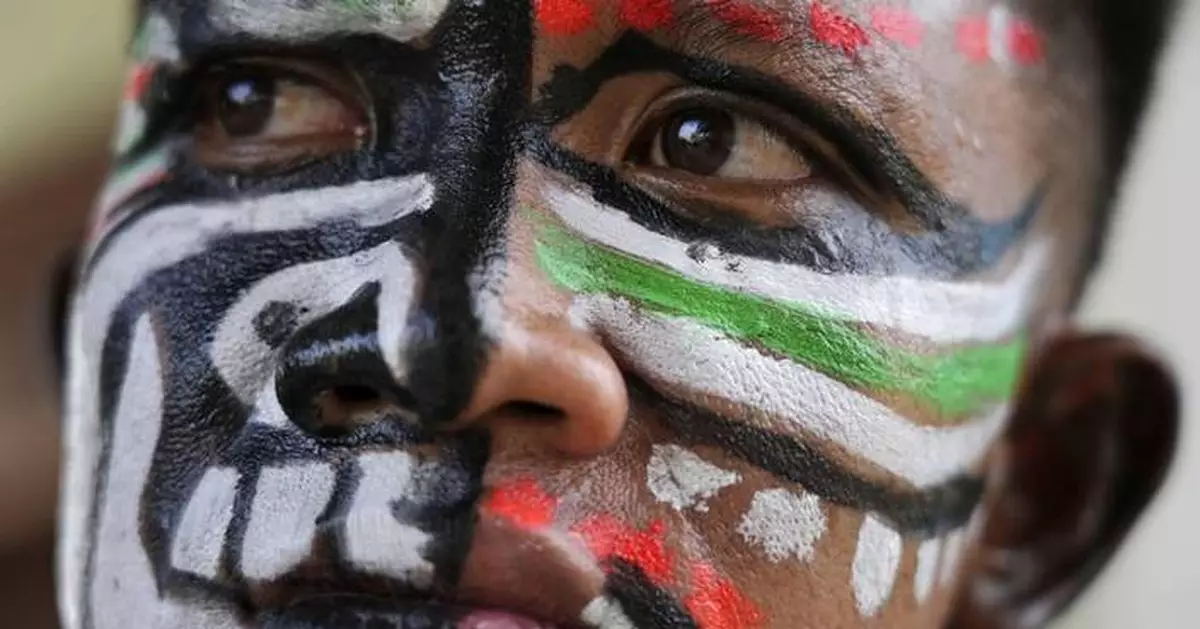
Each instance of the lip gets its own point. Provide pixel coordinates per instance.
(348, 611)
(557, 582)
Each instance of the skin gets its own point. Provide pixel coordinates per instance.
(439, 330)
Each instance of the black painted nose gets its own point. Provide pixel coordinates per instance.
(332, 380)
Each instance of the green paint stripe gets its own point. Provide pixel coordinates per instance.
(958, 383)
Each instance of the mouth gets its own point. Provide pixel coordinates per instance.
(363, 612)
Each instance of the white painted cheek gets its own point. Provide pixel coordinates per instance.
(683, 353)
(123, 586)
(168, 236)
(375, 541)
(283, 519)
(951, 553)
(680, 478)
(784, 524)
(876, 564)
(927, 568)
(246, 362)
(200, 535)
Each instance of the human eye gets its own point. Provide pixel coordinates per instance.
(261, 116)
(718, 141)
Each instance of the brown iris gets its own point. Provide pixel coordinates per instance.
(698, 141)
(245, 104)
(268, 116)
(716, 142)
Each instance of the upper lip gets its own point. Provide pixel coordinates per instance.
(539, 574)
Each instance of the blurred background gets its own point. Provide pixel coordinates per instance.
(60, 63)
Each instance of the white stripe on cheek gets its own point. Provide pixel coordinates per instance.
(376, 542)
(784, 524)
(941, 311)
(682, 353)
(123, 583)
(200, 535)
(876, 562)
(683, 480)
(950, 556)
(283, 519)
(927, 568)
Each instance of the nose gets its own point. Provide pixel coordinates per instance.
(331, 379)
(544, 382)
(553, 384)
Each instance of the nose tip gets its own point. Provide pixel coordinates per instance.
(559, 382)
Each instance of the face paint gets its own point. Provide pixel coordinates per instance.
(834, 29)
(452, 315)
(898, 24)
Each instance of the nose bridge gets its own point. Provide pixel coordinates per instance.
(544, 380)
(485, 63)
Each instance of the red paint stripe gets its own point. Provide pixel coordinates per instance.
(565, 17)
(716, 603)
(972, 38)
(837, 30)
(899, 25)
(647, 15)
(748, 19)
(523, 503)
(609, 538)
(1025, 43)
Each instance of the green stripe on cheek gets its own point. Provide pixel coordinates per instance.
(957, 383)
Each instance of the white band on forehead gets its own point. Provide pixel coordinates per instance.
(401, 20)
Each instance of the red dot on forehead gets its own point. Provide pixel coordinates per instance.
(898, 24)
(747, 18)
(837, 30)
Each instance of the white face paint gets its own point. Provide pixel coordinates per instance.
(283, 520)
(784, 524)
(681, 353)
(155, 243)
(285, 20)
(876, 565)
(375, 541)
(683, 480)
(943, 312)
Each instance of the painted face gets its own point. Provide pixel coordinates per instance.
(612, 314)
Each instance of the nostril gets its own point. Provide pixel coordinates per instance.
(532, 410)
(352, 394)
(342, 409)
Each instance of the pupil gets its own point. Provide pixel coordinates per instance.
(699, 140)
(246, 105)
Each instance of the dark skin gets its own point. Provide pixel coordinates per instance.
(791, 156)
